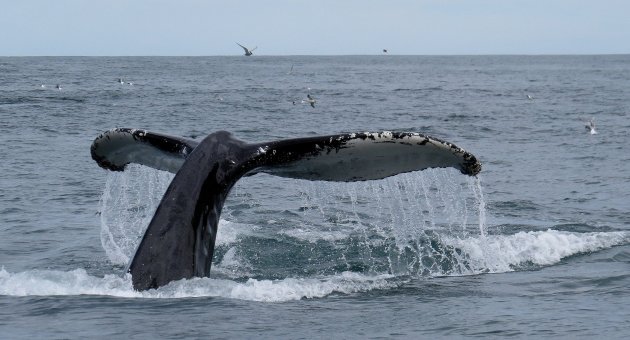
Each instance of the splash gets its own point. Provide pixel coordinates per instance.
(127, 205)
(513, 251)
(320, 238)
(403, 220)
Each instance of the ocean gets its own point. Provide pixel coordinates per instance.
(538, 245)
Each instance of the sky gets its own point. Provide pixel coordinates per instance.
(314, 27)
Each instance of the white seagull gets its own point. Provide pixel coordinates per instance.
(248, 52)
(591, 126)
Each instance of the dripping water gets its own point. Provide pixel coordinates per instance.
(401, 225)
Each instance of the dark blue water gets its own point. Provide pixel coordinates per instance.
(538, 245)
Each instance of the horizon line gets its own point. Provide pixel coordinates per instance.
(311, 55)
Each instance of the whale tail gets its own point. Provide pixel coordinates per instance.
(179, 241)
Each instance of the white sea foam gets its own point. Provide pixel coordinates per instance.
(233, 264)
(315, 235)
(78, 282)
(408, 206)
(52, 282)
(279, 290)
(494, 253)
(502, 253)
(229, 232)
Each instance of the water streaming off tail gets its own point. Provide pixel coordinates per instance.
(399, 225)
(395, 225)
(429, 223)
(127, 206)
(284, 239)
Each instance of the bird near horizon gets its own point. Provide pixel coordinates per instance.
(248, 52)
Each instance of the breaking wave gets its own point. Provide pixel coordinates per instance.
(336, 239)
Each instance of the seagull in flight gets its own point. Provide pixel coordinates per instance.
(248, 52)
(310, 100)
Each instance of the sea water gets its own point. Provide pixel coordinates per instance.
(537, 245)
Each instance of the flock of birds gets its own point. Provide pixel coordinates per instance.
(249, 52)
(310, 100)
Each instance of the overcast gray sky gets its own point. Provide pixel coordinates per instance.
(314, 27)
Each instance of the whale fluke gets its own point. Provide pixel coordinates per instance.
(116, 148)
(179, 241)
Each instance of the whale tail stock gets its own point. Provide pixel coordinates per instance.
(179, 241)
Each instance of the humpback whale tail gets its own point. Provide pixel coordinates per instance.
(179, 241)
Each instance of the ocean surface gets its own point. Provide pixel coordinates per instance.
(538, 245)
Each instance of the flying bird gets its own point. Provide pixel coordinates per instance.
(310, 100)
(248, 52)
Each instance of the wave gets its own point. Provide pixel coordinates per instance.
(524, 250)
(429, 255)
(342, 238)
(433, 88)
(491, 254)
(79, 282)
(19, 100)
